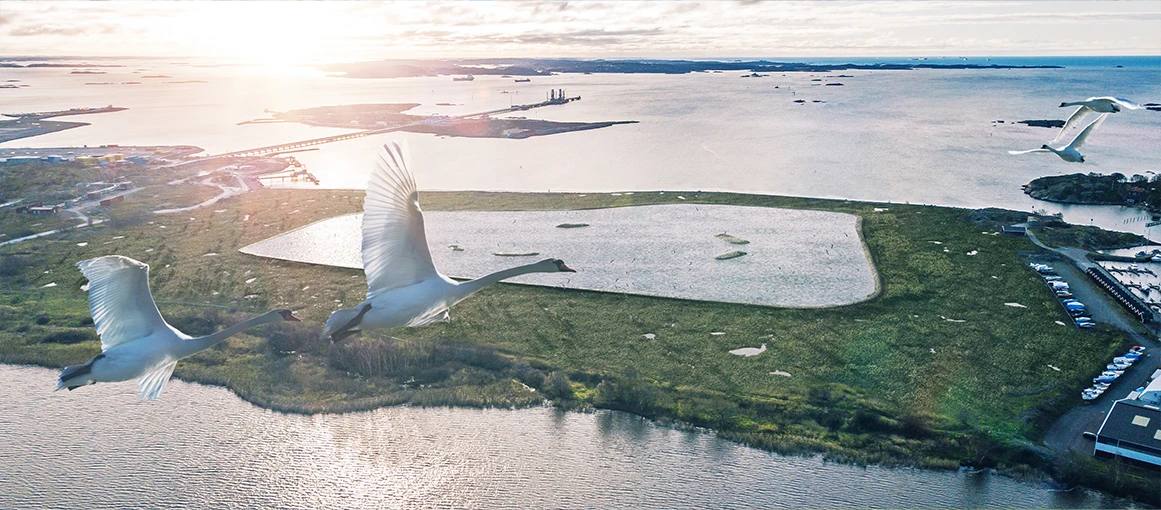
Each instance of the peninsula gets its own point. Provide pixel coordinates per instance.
(24, 125)
(482, 125)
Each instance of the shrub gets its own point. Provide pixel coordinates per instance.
(557, 387)
(69, 336)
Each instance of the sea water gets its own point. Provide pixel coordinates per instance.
(200, 446)
(926, 136)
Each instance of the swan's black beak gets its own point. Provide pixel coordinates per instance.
(287, 316)
(566, 269)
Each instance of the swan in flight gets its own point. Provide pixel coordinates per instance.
(749, 351)
(136, 343)
(1071, 152)
(1089, 108)
(403, 286)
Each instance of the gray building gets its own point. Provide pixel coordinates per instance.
(1131, 430)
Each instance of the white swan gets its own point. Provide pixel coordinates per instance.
(1088, 108)
(1070, 152)
(749, 351)
(403, 287)
(136, 343)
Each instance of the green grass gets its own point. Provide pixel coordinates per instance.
(865, 386)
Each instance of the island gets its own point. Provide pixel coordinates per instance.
(1097, 189)
(1042, 123)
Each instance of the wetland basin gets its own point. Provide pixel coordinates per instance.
(798, 258)
(99, 447)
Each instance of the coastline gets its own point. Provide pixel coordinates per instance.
(551, 338)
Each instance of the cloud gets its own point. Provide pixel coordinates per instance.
(368, 30)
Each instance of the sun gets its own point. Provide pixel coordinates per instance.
(257, 33)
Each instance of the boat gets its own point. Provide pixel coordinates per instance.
(463, 78)
(523, 80)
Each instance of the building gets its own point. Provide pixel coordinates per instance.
(1151, 395)
(1131, 430)
(1014, 230)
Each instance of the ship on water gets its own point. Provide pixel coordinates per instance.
(463, 78)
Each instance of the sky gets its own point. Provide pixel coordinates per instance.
(315, 32)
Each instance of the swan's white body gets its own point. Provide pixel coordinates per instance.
(749, 351)
(403, 286)
(1087, 110)
(136, 342)
(1071, 152)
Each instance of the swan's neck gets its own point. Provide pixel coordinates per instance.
(1063, 105)
(196, 345)
(466, 289)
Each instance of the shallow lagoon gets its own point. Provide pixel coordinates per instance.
(793, 258)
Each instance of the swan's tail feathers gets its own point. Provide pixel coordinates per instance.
(75, 376)
(66, 375)
(344, 322)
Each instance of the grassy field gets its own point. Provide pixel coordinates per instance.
(936, 371)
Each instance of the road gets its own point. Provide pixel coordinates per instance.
(1065, 436)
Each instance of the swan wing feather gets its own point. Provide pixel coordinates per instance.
(395, 252)
(430, 318)
(119, 299)
(1075, 123)
(1127, 103)
(151, 383)
(1078, 142)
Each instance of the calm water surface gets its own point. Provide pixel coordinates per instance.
(203, 447)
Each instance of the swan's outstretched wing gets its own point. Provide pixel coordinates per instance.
(1127, 103)
(1079, 141)
(153, 382)
(395, 250)
(119, 299)
(1075, 124)
(1029, 151)
(1119, 100)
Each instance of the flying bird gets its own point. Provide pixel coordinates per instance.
(1089, 108)
(1071, 152)
(136, 343)
(403, 286)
